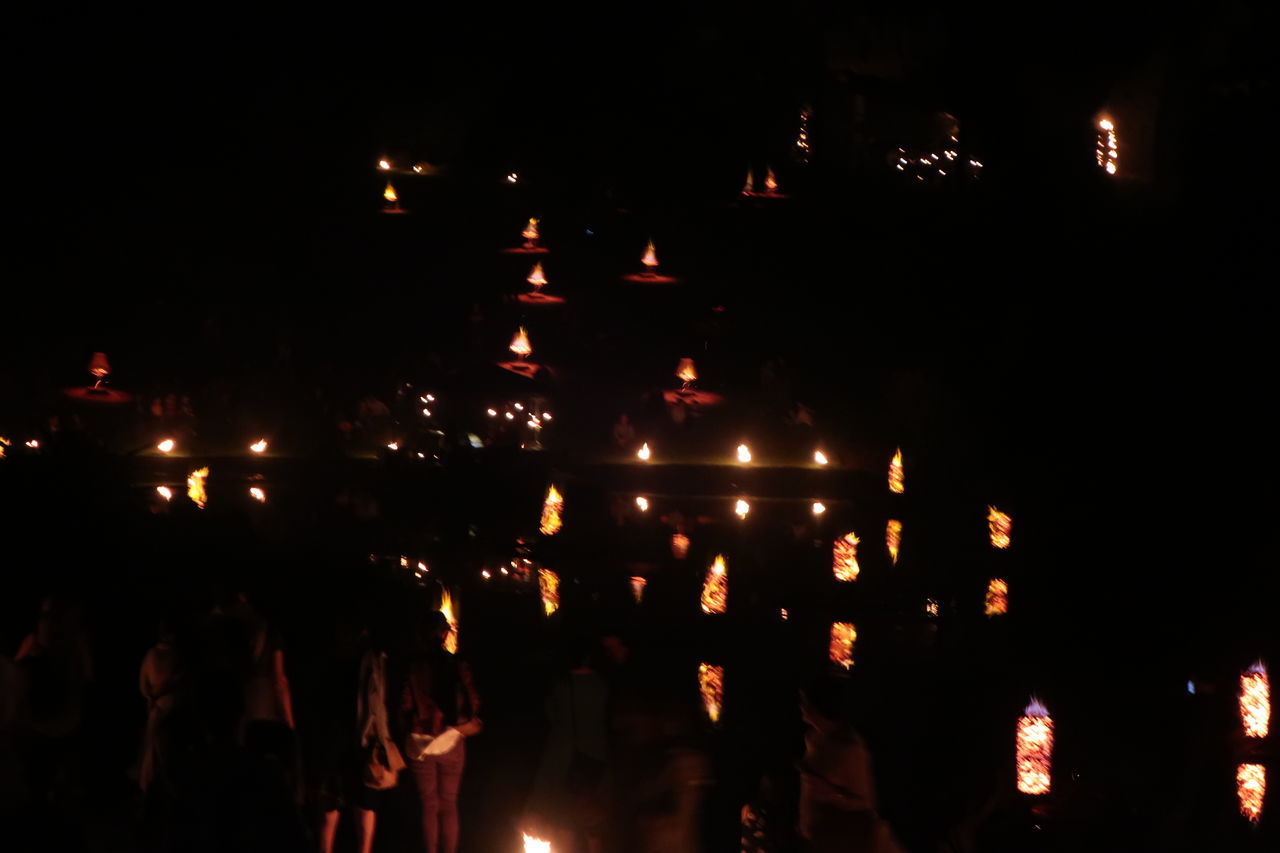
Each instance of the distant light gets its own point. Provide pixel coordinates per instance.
(164, 492)
(475, 440)
(512, 177)
(819, 507)
(504, 570)
(33, 443)
(546, 416)
(819, 457)
(384, 165)
(395, 445)
(744, 453)
(167, 445)
(742, 508)
(644, 453)
(422, 567)
(643, 504)
(518, 407)
(509, 416)
(257, 494)
(783, 613)
(426, 413)
(493, 413)
(1191, 687)
(484, 573)
(259, 446)
(421, 455)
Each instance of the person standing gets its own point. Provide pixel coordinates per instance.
(158, 683)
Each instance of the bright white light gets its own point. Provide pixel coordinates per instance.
(744, 453)
(395, 445)
(493, 413)
(742, 508)
(167, 445)
(259, 446)
(258, 494)
(819, 457)
(819, 507)
(643, 504)
(164, 492)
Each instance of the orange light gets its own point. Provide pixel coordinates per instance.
(195, 487)
(711, 687)
(715, 589)
(1035, 749)
(644, 453)
(770, 181)
(741, 508)
(686, 372)
(896, 483)
(637, 588)
(533, 844)
(893, 538)
(840, 650)
(642, 503)
(99, 367)
(167, 445)
(650, 258)
(390, 194)
(551, 509)
(164, 492)
(536, 277)
(520, 343)
(819, 457)
(259, 446)
(997, 602)
(679, 545)
(447, 607)
(750, 185)
(1000, 525)
(530, 232)
(549, 590)
(1251, 789)
(257, 494)
(844, 557)
(744, 453)
(1255, 701)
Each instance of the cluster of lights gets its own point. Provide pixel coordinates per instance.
(1034, 749)
(997, 600)
(802, 136)
(552, 507)
(1107, 154)
(1000, 526)
(840, 650)
(936, 165)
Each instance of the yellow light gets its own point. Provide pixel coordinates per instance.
(447, 608)
(1111, 168)
(840, 650)
(549, 590)
(390, 194)
(536, 277)
(1255, 701)
(997, 601)
(741, 508)
(1035, 749)
(167, 445)
(1251, 789)
(1106, 124)
(844, 558)
(259, 446)
(715, 589)
(195, 486)
(1000, 525)
(258, 494)
(896, 483)
(819, 508)
(520, 343)
(819, 457)
(711, 688)
(551, 509)
(164, 492)
(686, 372)
(643, 504)
(893, 538)
(644, 453)
(744, 453)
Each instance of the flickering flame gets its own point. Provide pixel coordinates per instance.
(637, 587)
(744, 453)
(679, 545)
(33, 443)
(741, 508)
(893, 538)
(819, 507)
(844, 557)
(711, 686)
(549, 590)
(257, 494)
(999, 524)
(1107, 149)
(536, 277)
(650, 258)
(551, 509)
(446, 607)
(384, 165)
(195, 486)
(750, 185)
(770, 181)
(520, 343)
(715, 589)
(390, 194)
(164, 492)
(1255, 700)
(896, 483)
(530, 232)
(643, 504)
(259, 446)
(843, 636)
(1035, 749)
(997, 602)
(931, 607)
(686, 372)
(535, 845)
(167, 445)
(819, 457)
(393, 445)
(644, 453)
(1251, 789)
(98, 365)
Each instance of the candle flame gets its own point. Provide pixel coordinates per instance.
(549, 590)
(893, 538)
(715, 589)
(997, 602)
(679, 545)
(843, 636)
(1000, 526)
(642, 503)
(257, 494)
(637, 587)
(530, 232)
(844, 557)
(819, 457)
(686, 372)
(167, 445)
(390, 194)
(744, 453)
(770, 180)
(195, 486)
(741, 508)
(164, 492)
(1255, 701)
(384, 165)
(1035, 749)
(520, 343)
(711, 687)
(448, 609)
(536, 277)
(896, 483)
(819, 507)
(644, 453)
(551, 509)
(650, 258)
(1251, 789)
(259, 446)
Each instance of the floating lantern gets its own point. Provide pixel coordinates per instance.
(167, 445)
(165, 492)
(819, 457)
(896, 483)
(447, 608)
(390, 194)
(259, 446)
(530, 233)
(1251, 789)
(643, 504)
(741, 508)
(843, 636)
(893, 538)
(715, 589)
(997, 602)
(819, 507)
(711, 687)
(551, 509)
(385, 166)
(744, 453)
(195, 486)
(686, 372)
(770, 181)
(637, 587)
(650, 258)
(750, 186)
(549, 590)
(644, 453)
(520, 344)
(1107, 150)
(844, 557)
(679, 545)
(536, 277)
(535, 845)
(257, 494)
(1000, 525)
(1255, 701)
(1035, 749)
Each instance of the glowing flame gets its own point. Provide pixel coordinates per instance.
(549, 590)
(1251, 789)
(535, 845)
(34, 443)
(167, 445)
(4, 442)
(711, 686)
(512, 177)
(1107, 148)
(744, 453)
(770, 181)
(644, 453)
(741, 508)
(931, 607)
(997, 602)
(551, 509)
(843, 636)
(530, 232)
(164, 492)
(98, 365)
(257, 494)
(650, 258)
(844, 558)
(679, 545)
(393, 445)
(643, 504)
(896, 483)
(195, 486)
(819, 507)
(259, 446)
(686, 372)
(536, 277)
(637, 587)
(447, 608)
(520, 343)
(390, 194)
(1035, 749)
(1255, 700)
(1000, 525)
(819, 457)
(893, 538)
(750, 185)
(715, 589)
(384, 165)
